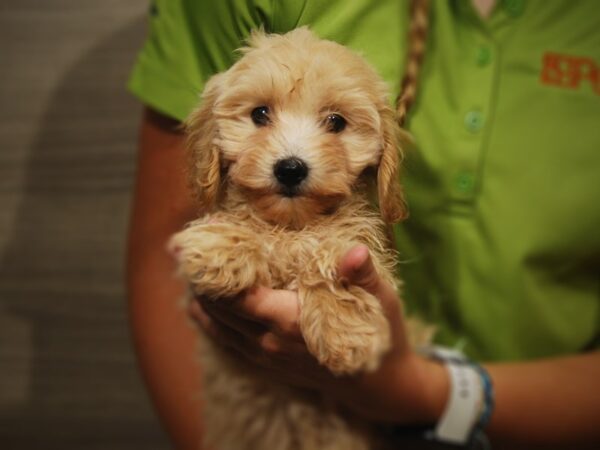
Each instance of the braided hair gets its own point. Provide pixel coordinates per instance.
(417, 38)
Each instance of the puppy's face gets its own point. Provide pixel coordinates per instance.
(292, 125)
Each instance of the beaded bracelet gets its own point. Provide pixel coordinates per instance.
(489, 400)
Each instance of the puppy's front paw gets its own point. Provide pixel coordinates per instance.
(220, 260)
(345, 329)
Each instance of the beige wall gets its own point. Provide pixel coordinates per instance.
(67, 142)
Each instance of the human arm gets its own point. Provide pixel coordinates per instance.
(544, 403)
(163, 338)
(553, 401)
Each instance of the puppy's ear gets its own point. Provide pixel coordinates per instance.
(391, 198)
(203, 151)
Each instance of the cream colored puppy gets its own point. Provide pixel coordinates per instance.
(285, 147)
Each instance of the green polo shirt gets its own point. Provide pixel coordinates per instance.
(502, 248)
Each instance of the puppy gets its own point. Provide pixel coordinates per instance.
(286, 147)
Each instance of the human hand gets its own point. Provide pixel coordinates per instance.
(262, 327)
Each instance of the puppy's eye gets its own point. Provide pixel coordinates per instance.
(335, 123)
(260, 116)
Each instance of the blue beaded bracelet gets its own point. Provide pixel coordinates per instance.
(488, 396)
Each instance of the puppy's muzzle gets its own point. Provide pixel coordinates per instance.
(290, 172)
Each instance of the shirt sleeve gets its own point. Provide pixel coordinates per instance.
(190, 40)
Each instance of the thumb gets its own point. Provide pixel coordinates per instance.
(357, 268)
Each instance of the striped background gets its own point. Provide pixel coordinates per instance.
(67, 141)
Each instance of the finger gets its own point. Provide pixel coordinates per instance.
(195, 312)
(281, 349)
(266, 350)
(247, 338)
(221, 333)
(277, 309)
(221, 311)
(356, 266)
(203, 320)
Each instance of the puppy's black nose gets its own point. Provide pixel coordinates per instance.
(290, 171)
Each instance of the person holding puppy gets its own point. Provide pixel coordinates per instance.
(501, 250)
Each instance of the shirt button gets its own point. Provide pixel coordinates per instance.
(474, 121)
(465, 182)
(484, 56)
(514, 7)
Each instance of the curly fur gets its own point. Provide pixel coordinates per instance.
(252, 234)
